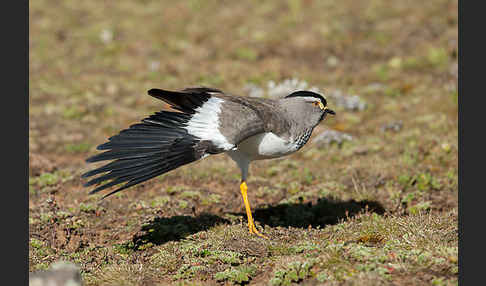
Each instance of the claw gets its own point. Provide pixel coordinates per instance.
(254, 230)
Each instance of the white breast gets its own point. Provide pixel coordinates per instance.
(266, 145)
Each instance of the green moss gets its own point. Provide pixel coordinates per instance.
(381, 72)
(426, 182)
(421, 206)
(124, 248)
(293, 272)
(78, 147)
(40, 250)
(72, 112)
(247, 54)
(182, 204)
(160, 201)
(46, 217)
(237, 275)
(224, 256)
(88, 207)
(189, 194)
(211, 199)
(322, 276)
(171, 190)
(304, 247)
(42, 266)
(412, 63)
(393, 92)
(437, 57)
(188, 271)
(35, 243)
(32, 190)
(404, 180)
(165, 259)
(45, 179)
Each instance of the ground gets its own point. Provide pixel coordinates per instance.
(379, 209)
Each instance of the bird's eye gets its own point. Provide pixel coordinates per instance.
(318, 103)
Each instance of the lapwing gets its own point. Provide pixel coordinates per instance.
(205, 121)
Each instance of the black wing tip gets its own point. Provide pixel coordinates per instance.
(85, 175)
(91, 159)
(156, 91)
(197, 89)
(94, 192)
(103, 146)
(160, 93)
(94, 158)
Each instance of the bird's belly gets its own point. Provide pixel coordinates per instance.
(266, 146)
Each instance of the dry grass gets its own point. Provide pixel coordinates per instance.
(379, 209)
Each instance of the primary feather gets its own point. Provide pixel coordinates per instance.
(160, 143)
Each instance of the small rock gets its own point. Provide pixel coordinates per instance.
(253, 90)
(332, 61)
(106, 36)
(275, 90)
(61, 273)
(446, 147)
(154, 66)
(331, 136)
(393, 126)
(111, 88)
(395, 63)
(363, 150)
(349, 102)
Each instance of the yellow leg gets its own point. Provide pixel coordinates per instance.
(251, 224)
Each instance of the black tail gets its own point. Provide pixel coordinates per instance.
(146, 150)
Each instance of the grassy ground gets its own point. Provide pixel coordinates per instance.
(380, 209)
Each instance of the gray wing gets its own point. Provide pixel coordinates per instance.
(243, 117)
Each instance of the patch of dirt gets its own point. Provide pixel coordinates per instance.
(247, 247)
(39, 164)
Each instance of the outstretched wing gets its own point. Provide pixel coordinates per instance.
(162, 142)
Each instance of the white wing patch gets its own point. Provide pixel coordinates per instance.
(205, 123)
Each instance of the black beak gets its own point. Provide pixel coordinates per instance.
(326, 111)
(330, 111)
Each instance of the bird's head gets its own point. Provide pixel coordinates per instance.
(310, 107)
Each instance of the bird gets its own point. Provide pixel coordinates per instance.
(204, 121)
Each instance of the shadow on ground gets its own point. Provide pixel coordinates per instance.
(163, 229)
(325, 212)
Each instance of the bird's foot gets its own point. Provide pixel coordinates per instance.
(253, 230)
(251, 224)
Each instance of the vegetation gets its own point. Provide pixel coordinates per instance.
(378, 208)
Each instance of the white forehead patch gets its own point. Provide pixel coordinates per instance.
(310, 98)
